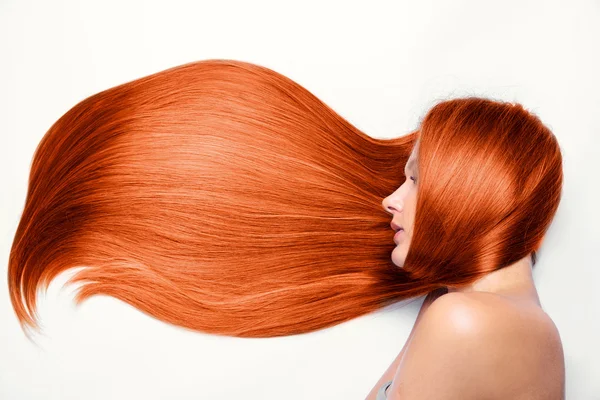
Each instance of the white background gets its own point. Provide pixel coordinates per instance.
(381, 65)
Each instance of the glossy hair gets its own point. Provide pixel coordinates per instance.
(223, 197)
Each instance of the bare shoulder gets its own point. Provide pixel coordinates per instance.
(489, 311)
(489, 315)
(478, 344)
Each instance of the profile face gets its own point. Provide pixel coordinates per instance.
(401, 205)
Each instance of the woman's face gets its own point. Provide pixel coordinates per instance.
(401, 204)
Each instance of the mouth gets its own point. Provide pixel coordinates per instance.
(396, 227)
(398, 236)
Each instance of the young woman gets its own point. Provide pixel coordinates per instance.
(490, 339)
(224, 197)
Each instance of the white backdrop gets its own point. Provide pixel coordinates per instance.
(381, 65)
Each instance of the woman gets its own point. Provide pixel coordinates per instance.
(223, 197)
(490, 339)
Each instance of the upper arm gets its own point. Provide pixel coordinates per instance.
(458, 351)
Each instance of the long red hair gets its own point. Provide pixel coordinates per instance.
(223, 197)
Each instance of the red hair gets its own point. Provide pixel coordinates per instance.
(223, 197)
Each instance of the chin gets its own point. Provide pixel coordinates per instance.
(398, 258)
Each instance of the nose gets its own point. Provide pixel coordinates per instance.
(391, 205)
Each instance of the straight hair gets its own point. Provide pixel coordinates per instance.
(223, 197)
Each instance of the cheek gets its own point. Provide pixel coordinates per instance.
(409, 208)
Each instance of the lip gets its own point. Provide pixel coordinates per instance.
(395, 226)
(398, 234)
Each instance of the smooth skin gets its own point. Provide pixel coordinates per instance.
(489, 340)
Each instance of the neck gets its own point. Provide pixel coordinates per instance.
(516, 280)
